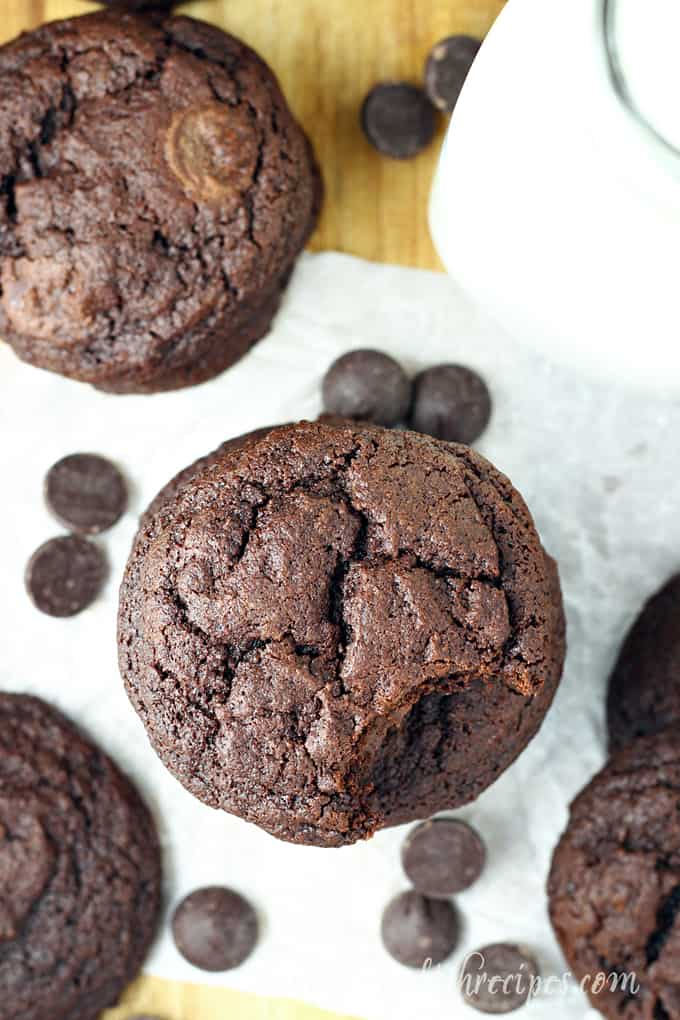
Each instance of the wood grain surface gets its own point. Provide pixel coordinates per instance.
(327, 54)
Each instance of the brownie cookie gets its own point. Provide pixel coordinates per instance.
(338, 628)
(171, 489)
(155, 192)
(80, 870)
(644, 688)
(144, 5)
(614, 886)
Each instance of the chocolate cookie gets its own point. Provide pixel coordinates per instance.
(334, 629)
(644, 688)
(144, 5)
(155, 192)
(171, 489)
(614, 886)
(79, 870)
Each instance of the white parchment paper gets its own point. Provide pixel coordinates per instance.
(599, 469)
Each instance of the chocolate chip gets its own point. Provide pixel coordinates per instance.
(447, 68)
(215, 928)
(442, 857)
(398, 119)
(498, 978)
(367, 385)
(86, 492)
(417, 930)
(450, 402)
(65, 575)
(195, 146)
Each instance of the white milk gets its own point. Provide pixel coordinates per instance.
(647, 34)
(552, 205)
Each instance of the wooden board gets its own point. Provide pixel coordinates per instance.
(327, 54)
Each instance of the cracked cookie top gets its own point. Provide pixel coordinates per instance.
(288, 606)
(154, 193)
(79, 870)
(614, 886)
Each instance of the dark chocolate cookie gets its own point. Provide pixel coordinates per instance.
(144, 5)
(614, 886)
(171, 489)
(335, 629)
(644, 688)
(155, 192)
(80, 870)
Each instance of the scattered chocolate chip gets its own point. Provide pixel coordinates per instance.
(417, 930)
(447, 68)
(398, 119)
(442, 857)
(65, 575)
(367, 385)
(215, 928)
(86, 492)
(450, 402)
(498, 978)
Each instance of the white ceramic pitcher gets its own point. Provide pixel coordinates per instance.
(557, 199)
